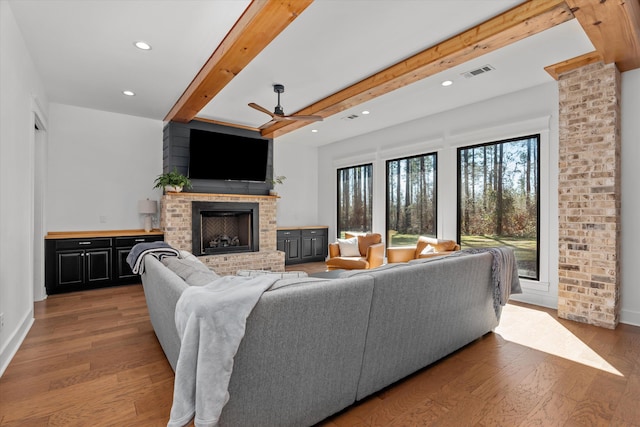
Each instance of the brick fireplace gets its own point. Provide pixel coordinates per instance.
(240, 230)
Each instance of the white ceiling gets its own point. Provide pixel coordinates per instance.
(84, 52)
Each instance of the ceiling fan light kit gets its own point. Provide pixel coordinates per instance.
(278, 113)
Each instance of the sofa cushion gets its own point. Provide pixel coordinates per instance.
(279, 274)
(193, 272)
(444, 246)
(367, 240)
(439, 245)
(302, 281)
(348, 263)
(349, 247)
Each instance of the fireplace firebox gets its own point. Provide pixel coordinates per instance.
(224, 227)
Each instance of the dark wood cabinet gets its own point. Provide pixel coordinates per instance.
(314, 244)
(73, 264)
(78, 263)
(304, 244)
(122, 247)
(289, 242)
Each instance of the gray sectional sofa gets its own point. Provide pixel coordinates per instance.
(315, 346)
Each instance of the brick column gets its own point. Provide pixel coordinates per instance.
(589, 195)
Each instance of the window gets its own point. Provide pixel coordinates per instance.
(411, 199)
(498, 198)
(354, 199)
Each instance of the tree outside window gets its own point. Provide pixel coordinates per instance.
(498, 198)
(354, 199)
(411, 199)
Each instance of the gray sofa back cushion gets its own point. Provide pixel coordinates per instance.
(422, 312)
(193, 272)
(301, 354)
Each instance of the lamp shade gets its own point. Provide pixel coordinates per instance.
(147, 206)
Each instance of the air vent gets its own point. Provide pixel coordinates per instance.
(478, 71)
(351, 117)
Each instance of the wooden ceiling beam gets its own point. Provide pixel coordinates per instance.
(571, 64)
(260, 23)
(522, 21)
(613, 26)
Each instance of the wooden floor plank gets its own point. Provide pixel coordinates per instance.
(92, 358)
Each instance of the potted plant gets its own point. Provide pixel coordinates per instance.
(276, 180)
(172, 181)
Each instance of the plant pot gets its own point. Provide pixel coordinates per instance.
(273, 193)
(172, 189)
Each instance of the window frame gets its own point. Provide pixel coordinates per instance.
(435, 192)
(338, 194)
(459, 150)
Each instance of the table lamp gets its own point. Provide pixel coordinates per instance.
(147, 208)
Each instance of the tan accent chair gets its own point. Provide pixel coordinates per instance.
(371, 251)
(407, 253)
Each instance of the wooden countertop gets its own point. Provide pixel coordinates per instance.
(102, 233)
(303, 227)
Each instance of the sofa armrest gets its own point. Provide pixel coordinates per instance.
(401, 254)
(375, 255)
(334, 250)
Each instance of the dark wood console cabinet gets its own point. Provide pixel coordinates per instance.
(85, 260)
(303, 244)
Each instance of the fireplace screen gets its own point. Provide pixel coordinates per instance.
(221, 227)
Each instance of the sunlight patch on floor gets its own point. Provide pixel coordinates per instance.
(540, 331)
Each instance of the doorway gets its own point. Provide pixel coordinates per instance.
(38, 191)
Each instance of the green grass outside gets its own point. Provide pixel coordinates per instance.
(524, 248)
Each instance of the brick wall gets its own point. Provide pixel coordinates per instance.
(175, 222)
(589, 195)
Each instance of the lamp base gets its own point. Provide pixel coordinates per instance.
(147, 223)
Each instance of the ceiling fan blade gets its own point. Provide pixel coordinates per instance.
(269, 123)
(262, 109)
(306, 118)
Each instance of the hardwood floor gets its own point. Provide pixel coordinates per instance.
(92, 359)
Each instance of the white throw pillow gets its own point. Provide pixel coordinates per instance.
(428, 250)
(349, 247)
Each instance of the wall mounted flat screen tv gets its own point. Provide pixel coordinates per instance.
(222, 156)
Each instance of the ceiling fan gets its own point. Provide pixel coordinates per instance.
(278, 113)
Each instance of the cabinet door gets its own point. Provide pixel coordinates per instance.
(320, 248)
(98, 265)
(123, 246)
(308, 247)
(70, 267)
(293, 249)
(123, 270)
(281, 245)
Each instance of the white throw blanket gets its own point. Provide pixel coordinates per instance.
(211, 323)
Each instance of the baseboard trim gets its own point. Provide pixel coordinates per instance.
(536, 299)
(630, 317)
(15, 340)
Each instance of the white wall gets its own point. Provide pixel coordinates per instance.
(523, 113)
(20, 88)
(630, 292)
(100, 164)
(298, 203)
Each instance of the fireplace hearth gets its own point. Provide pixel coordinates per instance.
(224, 227)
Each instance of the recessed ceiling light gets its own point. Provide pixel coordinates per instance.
(365, 112)
(128, 93)
(446, 83)
(142, 45)
(314, 130)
